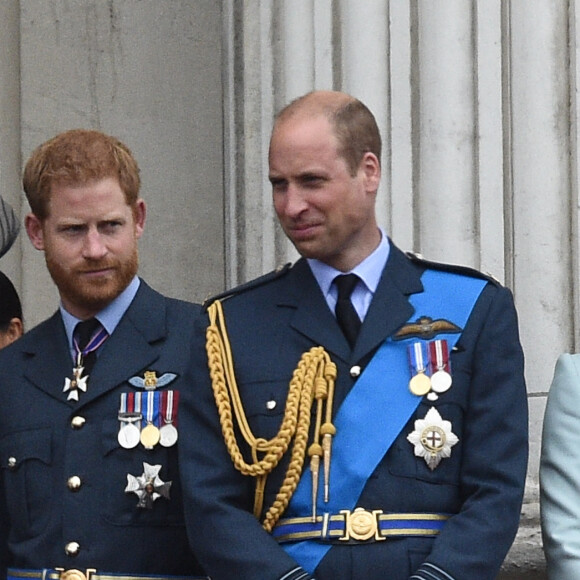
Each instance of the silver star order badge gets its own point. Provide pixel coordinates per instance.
(148, 487)
(432, 438)
(76, 384)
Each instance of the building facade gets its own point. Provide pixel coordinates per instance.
(476, 99)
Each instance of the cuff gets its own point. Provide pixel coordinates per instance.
(430, 572)
(297, 574)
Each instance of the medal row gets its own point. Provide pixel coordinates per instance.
(430, 368)
(148, 418)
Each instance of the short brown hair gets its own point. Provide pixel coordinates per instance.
(77, 157)
(354, 125)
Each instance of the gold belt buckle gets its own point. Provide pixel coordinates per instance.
(361, 525)
(74, 574)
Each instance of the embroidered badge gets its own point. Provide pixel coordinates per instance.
(432, 438)
(148, 487)
(425, 327)
(150, 382)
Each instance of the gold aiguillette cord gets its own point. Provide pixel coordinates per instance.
(313, 378)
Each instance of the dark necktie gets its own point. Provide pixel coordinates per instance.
(89, 335)
(346, 315)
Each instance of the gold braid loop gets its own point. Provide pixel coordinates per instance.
(312, 379)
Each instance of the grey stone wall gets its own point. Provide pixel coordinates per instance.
(485, 90)
(148, 72)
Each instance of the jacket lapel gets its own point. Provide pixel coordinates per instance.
(131, 348)
(129, 351)
(312, 317)
(47, 359)
(389, 309)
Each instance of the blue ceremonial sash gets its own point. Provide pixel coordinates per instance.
(357, 451)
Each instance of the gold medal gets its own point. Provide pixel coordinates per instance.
(149, 436)
(420, 384)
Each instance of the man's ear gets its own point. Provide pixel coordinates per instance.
(15, 329)
(140, 216)
(371, 168)
(33, 227)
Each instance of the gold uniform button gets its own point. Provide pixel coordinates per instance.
(354, 371)
(72, 548)
(77, 422)
(74, 483)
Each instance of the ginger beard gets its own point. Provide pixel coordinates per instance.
(92, 293)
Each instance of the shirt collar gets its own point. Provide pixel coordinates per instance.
(109, 317)
(369, 270)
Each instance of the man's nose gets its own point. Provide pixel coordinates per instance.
(296, 201)
(94, 246)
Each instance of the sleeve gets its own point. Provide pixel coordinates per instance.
(4, 529)
(223, 532)
(5, 557)
(474, 542)
(560, 472)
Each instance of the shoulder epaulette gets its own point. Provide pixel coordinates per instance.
(454, 268)
(260, 281)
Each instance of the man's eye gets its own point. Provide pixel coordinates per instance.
(110, 227)
(73, 230)
(278, 184)
(312, 181)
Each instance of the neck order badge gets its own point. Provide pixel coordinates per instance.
(89, 335)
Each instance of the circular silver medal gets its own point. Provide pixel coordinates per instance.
(167, 435)
(440, 381)
(129, 436)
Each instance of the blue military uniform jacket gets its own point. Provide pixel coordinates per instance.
(270, 323)
(46, 439)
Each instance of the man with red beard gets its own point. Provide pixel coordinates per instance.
(88, 437)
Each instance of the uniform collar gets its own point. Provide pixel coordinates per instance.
(369, 270)
(109, 317)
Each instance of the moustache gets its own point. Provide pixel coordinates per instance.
(96, 266)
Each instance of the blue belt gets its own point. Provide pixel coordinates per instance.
(358, 526)
(88, 574)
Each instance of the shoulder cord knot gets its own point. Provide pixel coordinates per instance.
(312, 380)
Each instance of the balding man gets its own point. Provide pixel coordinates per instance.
(364, 414)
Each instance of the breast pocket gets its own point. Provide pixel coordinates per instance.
(26, 458)
(129, 477)
(265, 403)
(407, 461)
